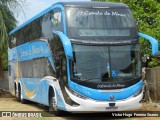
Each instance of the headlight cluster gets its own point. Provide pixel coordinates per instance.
(77, 94)
(136, 94)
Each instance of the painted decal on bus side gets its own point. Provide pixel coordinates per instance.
(33, 50)
(29, 51)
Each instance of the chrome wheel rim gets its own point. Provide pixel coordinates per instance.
(17, 93)
(54, 104)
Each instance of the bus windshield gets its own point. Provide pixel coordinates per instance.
(100, 22)
(106, 63)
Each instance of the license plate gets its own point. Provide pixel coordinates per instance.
(111, 108)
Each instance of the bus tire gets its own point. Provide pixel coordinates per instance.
(17, 93)
(53, 105)
(23, 101)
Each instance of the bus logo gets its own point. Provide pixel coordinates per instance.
(111, 97)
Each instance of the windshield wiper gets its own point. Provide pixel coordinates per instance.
(94, 79)
(88, 79)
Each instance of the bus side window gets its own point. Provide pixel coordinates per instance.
(12, 42)
(47, 26)
(56, 19)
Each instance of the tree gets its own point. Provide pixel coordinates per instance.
(147, 17)
(8, 10)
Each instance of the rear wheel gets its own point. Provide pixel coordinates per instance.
(19, 96)
(53, 105)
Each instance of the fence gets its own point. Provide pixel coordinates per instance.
(153, 80)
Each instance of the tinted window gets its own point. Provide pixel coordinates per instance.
(93, 22)
(12, 42)
(57, 20)
(47, 26)
(106, 63)
(35, 69)
(28, 33)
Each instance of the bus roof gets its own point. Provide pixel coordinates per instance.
(90, 4)
(94, 4)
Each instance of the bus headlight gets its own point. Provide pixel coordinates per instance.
(77, 94)
(138, 93)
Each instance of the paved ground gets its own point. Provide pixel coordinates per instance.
(8, 103)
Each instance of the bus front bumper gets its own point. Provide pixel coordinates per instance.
(90, 105)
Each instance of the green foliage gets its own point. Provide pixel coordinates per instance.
(147, 16)
(4, 56)
(8, 8)
(153, 63)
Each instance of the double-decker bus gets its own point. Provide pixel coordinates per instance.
(78, 56)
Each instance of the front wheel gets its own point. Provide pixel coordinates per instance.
(53, 105)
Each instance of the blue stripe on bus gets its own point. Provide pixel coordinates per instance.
(39, 15)
(105, 96)
(30, 51)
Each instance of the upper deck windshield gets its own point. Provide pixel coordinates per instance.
(100, 22)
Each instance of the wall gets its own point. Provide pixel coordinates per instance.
(4, 83)
(153, 79)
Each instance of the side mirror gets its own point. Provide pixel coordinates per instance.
(66, 43)
(153, 42)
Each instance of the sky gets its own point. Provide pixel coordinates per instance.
(33, 7)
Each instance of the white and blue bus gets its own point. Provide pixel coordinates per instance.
(79, 57)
